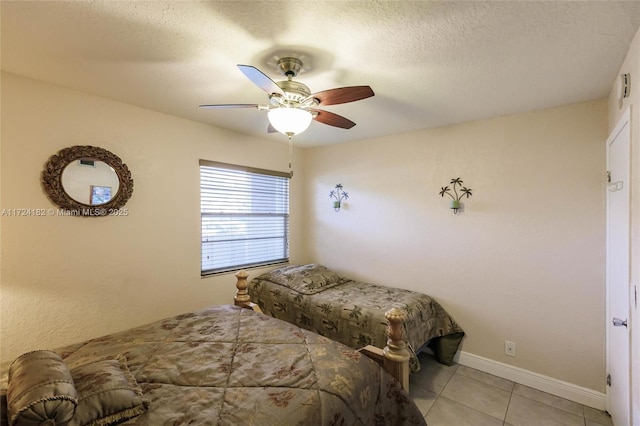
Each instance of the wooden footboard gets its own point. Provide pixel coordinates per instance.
(394, 358)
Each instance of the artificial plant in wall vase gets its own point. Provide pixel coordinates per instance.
(338, 194)
(455, 197)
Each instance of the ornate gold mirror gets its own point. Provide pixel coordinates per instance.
(87, 181)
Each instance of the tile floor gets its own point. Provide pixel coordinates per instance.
(461, 396)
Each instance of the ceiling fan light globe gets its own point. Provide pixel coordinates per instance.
(289, 121)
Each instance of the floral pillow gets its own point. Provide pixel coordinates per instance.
(305, 279)
(107, 393)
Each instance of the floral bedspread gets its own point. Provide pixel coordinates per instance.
(352, 312)
(231, 366)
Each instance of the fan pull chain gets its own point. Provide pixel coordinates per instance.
(290, 155)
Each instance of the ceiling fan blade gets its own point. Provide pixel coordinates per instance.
(260, 79)
(230, 106)
(332, 119)
(342, 95)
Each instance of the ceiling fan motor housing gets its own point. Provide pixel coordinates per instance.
(294, 91)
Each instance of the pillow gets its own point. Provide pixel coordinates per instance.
(40, 390)
(305, 279)
(107, 393)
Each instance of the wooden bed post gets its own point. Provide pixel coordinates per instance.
(242, 298)
(242, 295)
(394, 358)
(396, 354)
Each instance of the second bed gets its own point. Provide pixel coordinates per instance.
(352, 312)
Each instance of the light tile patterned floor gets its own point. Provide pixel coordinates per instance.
(461, 396)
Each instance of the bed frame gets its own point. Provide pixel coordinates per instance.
(394, 358)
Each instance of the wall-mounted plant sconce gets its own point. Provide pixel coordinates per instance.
(455, 197)
(338, 194)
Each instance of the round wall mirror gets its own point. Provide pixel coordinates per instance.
(87, 181)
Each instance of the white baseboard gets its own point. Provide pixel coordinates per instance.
(533, 380)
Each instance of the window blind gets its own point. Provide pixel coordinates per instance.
(244, 215)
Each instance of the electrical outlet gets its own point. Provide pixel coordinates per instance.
(509, 348)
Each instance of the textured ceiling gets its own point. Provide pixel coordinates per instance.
(429, 63)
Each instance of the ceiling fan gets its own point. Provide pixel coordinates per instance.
(292, 106)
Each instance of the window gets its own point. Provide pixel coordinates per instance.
(244, 216)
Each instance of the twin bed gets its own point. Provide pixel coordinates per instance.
(353, 312)
(224, 365)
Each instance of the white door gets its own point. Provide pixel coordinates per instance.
(618, 361)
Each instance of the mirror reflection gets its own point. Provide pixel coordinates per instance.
(90, 181)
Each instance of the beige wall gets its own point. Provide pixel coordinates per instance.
(525, 260)
(631, 65)
(65, 279)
